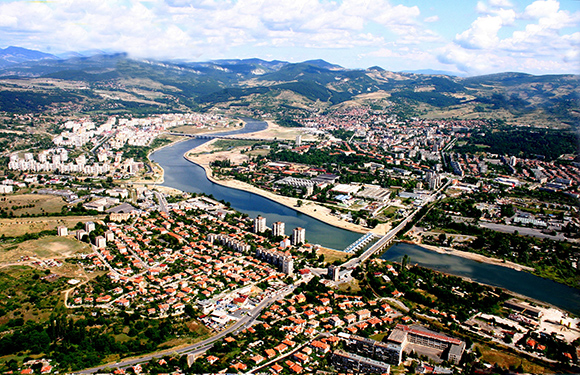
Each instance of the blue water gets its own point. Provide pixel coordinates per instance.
(517, 281)
(186, 176)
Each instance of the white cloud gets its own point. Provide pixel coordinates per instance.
(169, 28)
(541, 8)
(8, 21)
(544, 37)
(481, 34)
(210, 28)
(500, 3)
(383, 52)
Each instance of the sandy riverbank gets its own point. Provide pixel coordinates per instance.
(202, 157)
(161, 172)
(476, 257)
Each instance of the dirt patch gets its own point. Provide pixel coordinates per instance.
(330, 255)
(19, 226)
(351, 287)
(49, 247)
(506, 360)
(31, 204)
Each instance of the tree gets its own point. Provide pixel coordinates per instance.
(299, 203)
(405, 261)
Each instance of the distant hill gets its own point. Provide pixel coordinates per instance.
(433, 72)
(16, 55)
(117, 82)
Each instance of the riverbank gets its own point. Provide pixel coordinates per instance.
(476, 257)
(202, 156)
(161, 172)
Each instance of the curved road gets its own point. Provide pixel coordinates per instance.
(201, 346)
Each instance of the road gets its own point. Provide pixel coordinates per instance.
(389, 237)
(103, 140)
(201, 346)
(162, 202)
(522, 231)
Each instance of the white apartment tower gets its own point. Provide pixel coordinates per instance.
(288, 265)
(278, 229)
(298, 236)
(89, 226)
(259, 224)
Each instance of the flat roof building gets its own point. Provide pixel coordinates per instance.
(344, 361)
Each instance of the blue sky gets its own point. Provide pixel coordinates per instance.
(466, 37)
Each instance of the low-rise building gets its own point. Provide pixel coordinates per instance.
(349, 362)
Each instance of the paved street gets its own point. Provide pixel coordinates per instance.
(201, 346)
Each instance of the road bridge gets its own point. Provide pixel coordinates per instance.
(217, 136)
(360, 243)
(386, 240)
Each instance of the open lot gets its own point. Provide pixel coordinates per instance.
(330, 256)
(43, 248)
(20, 226)
(505, 360)
(31, 204)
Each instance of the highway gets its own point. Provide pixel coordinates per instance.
(201, 346)
(388, 238)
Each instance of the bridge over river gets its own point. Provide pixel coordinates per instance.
(217, 136)
(386, 240)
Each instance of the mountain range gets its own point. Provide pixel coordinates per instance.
(36, 81)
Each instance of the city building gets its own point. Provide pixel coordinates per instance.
(228, 241)
(349, 362)
(386, 352)
(279, 259)
(333, 272)
(298, 236)
(278, 229)
(259, 224)
(62, 231)
(433, 180)
(80, 234)
(523, 309)
(89, 226)
(288, 265)
(403, 335)
(100, 242)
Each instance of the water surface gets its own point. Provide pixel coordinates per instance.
(517, 281)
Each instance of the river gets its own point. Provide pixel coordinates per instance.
(186, 176)
(517, 281)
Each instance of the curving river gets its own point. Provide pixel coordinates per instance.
(186, 176)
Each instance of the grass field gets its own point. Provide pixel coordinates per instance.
(20, 226)
(24, 294)
(228, 144)
(353, 286)
(506, 360)
(190, 129)
(332, 255)
(31, 204)
(379, 336)
(43, 248)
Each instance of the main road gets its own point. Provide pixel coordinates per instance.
(388, 238)
(200, 347)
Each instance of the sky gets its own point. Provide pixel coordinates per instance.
(460, 36)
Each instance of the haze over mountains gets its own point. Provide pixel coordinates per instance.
(115, 80)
